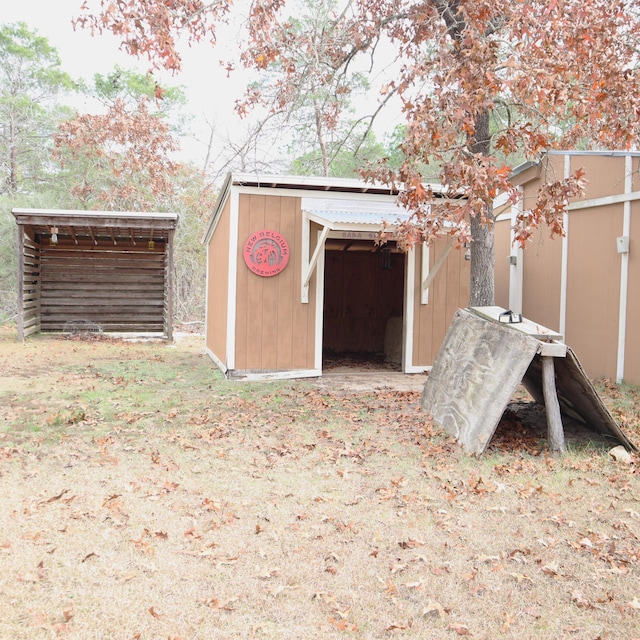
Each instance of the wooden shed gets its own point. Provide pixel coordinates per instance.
(109, 270)
(294, 273)
(585, 285)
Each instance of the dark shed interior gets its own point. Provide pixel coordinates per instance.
(363, 298)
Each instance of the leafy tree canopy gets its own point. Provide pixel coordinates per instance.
(31, 78)
(478, 80)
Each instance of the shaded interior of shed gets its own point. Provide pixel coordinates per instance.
(106, 270)
(363, 304)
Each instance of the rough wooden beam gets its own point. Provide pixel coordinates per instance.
(169, 288)
(20, 250)
(552, 407)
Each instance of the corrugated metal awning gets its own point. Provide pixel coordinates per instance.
(350, 215)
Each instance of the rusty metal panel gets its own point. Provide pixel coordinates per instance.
(475, 374)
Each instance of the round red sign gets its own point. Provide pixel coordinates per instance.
(266, 253)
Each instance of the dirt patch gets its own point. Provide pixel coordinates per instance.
(357, 381)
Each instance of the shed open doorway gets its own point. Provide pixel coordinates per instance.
(364, 284)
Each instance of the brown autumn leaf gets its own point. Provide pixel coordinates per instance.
(411, 543)
(343, 625)
(508, 619)
(390, 588)
(432, 607)
(154, 613)
(460, 629)
(266, 573)
(579, 600)
(58, 496)
(221, 605)
(398, 567)
(488, 559)
(551, 569)
(398, 627)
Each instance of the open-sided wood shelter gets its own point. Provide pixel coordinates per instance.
(110, 269)
(585, 285)
(294, 272)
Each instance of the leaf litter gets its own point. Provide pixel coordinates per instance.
(144, 496)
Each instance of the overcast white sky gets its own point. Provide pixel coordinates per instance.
(211, 94)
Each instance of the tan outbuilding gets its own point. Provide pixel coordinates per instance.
(294, 271)
(585, 285)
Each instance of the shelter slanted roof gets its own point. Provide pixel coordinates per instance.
(348, 190)
(91, 226)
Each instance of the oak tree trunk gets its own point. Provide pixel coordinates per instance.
(482, 264)
(482, 234)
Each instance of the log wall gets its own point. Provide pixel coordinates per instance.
(119, 290)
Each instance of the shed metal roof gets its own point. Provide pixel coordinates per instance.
(337, 214)
(90, 226)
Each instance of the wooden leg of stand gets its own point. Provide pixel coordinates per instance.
(552, 406)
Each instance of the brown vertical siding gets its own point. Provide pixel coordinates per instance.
(503, 249)
(218, 286)
(605, 175)
(632, 350)
(542, 271)
(448, 292)
(593, 266)
(274, 330)
(593, 288)
(542, 259)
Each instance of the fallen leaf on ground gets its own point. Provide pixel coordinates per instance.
(434, 607)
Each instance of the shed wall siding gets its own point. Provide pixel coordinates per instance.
(632, 345)
(218, 286)
(274, 330)
(448, 292)
(502, 249)
(594, 268)
(541, 275)
(593, 288)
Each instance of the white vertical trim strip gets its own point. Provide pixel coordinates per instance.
(234, 205)
(424, 273)
(319, 307)
(624, 272)
(516, 270)
(207, 301)
(304, 257)
(564, 269)
(407, 320)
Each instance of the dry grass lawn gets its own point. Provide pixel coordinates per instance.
(144, 497)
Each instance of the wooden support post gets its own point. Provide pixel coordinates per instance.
(552, 406)
(169, 284)
(20, 250)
